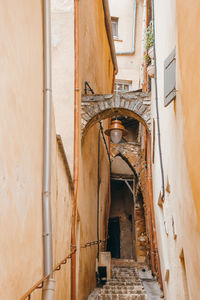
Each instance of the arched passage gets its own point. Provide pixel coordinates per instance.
(134, 105)
(99, 107)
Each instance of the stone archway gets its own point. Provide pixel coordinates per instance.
(134, 104)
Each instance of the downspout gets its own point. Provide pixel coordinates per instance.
(144, 65)
(76, 145)
(49, 284)
(133, 33)
(109, 33)
(109, 185)
(98, 183)
(157, 108)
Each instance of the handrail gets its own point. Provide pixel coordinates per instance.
(36, 286)
(39, 284)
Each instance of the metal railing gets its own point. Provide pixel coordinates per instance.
(40, 283)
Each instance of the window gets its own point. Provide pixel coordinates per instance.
(122, 85)
(114, 22)
(170, 78)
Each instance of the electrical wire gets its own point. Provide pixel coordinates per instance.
(98, 182)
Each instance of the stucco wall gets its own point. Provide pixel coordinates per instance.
(129, 65)
(21, 160)
(189, 90)
(87, 207)
(21, 130)
(96, 67)
(62, 19)
(62, 201)
(179, 143)
(96, 64)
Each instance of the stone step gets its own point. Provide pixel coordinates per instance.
(122, 297)
(125, 284)
(124, 289)
(135, 287)
(131, 283)
(122, 292)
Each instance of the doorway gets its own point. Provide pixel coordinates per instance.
(121, 228)
(114, 237)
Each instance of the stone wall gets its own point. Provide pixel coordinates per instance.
(135, 156)
(133, 104)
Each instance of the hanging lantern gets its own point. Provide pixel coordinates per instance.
(116, 131)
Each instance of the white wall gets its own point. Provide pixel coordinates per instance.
(129, 65)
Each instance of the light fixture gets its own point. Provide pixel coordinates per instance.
(116, 131)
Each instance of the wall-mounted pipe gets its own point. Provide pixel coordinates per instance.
(157, 108)
(150, 191)
(49, 285)
(98, 186)
(76, 145)
(144, 65)
(133, 34)
(109, 33)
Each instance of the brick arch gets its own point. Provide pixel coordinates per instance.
(99, 107)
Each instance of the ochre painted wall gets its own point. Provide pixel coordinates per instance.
(21, 130)
(87, 207)
(21, 159)
(96, 67)
(62, 202)
(189, 62)
(96, 64)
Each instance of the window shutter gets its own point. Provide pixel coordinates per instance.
(170, 78)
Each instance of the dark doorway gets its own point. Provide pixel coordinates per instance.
(114, 237)
(122, 222)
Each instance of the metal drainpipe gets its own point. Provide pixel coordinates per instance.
(49, 284)
(150, 189)
(157, 105)
(74, 289)
(98, 182)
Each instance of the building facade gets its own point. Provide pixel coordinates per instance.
(177, 214)
(128, 28)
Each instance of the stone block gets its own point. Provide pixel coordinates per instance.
(105, 260)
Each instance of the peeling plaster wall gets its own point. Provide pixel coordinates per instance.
(177, 220)
(141, 233)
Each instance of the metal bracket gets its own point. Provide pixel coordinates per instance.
(128, 185)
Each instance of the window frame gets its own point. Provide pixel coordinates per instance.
(115, 21)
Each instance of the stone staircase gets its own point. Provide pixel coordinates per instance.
(125, 284)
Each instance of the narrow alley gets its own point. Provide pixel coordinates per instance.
(99, 161)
